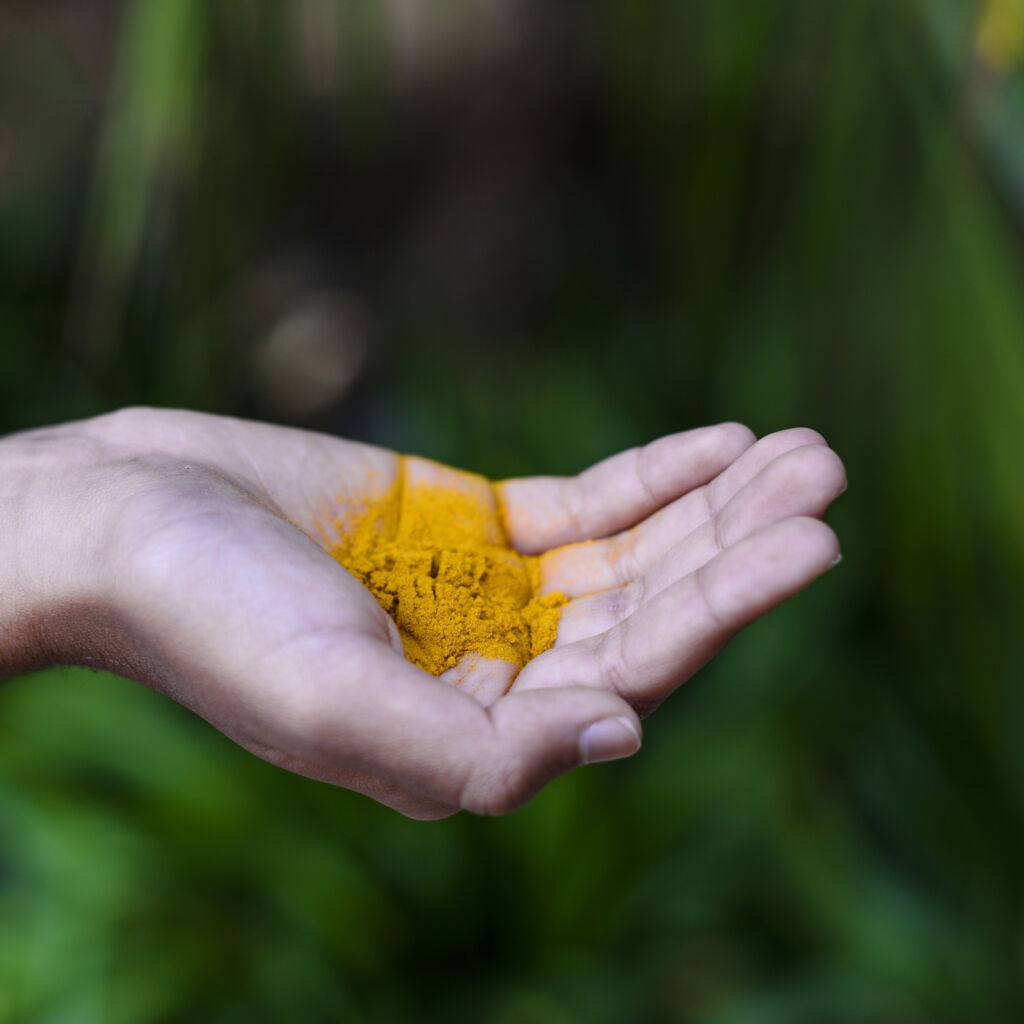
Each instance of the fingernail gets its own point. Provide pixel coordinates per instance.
(835, 561)
(609, 739)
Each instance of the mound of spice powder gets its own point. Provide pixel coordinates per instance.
(439, 562)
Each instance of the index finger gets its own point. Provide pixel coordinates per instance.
(546, 512)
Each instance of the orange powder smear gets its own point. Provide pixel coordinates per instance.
(438, 561)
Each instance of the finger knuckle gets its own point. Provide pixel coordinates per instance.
(653, 468)
(633, 596)
(613, 662)
(626, 561)
(576, 505)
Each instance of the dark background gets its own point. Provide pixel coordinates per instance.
(519, 236)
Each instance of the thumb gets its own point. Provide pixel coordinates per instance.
(537, 735)
(374, 713)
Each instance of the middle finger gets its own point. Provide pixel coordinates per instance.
(802, 482)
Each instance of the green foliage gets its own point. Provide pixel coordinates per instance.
(652, 216)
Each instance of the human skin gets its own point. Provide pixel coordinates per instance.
(186, 551)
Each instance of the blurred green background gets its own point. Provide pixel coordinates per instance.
(518, 236)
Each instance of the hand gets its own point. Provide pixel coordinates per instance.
(179, 549)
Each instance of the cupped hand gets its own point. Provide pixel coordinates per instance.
(211, 583)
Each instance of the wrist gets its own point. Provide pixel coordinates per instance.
(52, 487)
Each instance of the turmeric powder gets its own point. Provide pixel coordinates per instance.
(438, 560)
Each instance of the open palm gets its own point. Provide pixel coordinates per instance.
(220, 593)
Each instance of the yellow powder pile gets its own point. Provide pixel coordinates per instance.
(438, 561)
